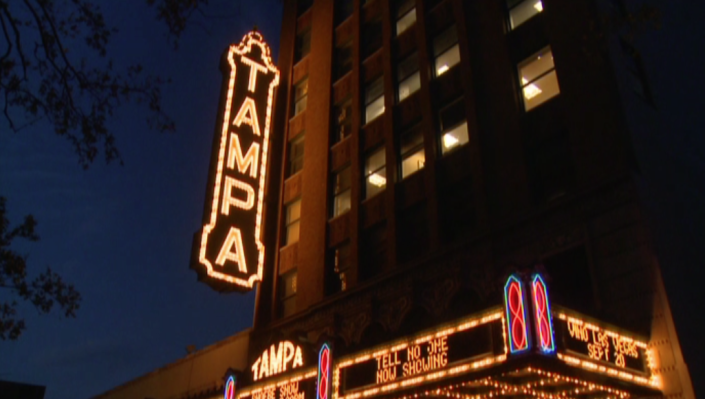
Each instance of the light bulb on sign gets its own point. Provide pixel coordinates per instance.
(538, 6)
(443, 69)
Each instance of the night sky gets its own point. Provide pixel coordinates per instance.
(122, 234)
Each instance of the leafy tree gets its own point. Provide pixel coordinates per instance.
(55, 68)
(43, 291)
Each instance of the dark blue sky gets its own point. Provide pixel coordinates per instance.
(123, 235)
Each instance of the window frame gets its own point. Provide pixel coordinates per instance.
(443, 129)
(340, 189)
(345, 105)
(415, 149)
(288, 223)
(299, 48)
(511, 7)
(293, 158)
(523, 86)
(437, 54)
(283, 297)
(298, 98)
(341, 268)
(368, 103)
(405, 77)
(403, 9)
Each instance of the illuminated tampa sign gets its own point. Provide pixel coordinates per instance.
(230, 250)
(277, 359)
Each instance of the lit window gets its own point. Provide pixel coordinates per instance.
(454, 128)
(408, 76)
(342, 119)
(375, 173)
(341, 263)
(303, 45)
(293, 218)
(406, 15)
(374, 100)
(341, 192)
(288, 293)
(412, 152)
(446, 50)
(296, 154)
(521, 11)
(539, 82)
(300, 96)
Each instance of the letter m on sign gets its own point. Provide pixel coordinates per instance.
(228, 253)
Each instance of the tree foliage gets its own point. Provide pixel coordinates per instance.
(43, 291)
(55, 68)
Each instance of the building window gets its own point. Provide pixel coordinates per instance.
(408, 76)
(343, 60)
(287, 293)
(371, 36)
(406, 15)
(539, 82)
(521, 11)
(303, 45)
(411, 151)
(454, 127)
(300, 96)
(342, 119)
(374, 99)
(296, 154)
(302, 6)
(293, 219)
(341, 191)
(375, 173)
(341, 264)
(446, 50)
(343, 9)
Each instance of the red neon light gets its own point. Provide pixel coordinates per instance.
(543, 314)
(516, 316)
(323, 372)
(230, 388)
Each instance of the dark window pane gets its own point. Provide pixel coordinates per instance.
(444, 41)
(303, 45)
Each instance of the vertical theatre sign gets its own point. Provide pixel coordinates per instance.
(228, 251)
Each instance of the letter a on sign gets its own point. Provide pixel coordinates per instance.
(228, 250)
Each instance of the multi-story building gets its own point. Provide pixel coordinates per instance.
(435, 165)
(431, 148)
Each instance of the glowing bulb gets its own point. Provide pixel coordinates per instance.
(449, 141)
(531, 91)
(538, 6)
(377, 180)
(443, 69)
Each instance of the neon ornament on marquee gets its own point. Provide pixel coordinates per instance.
(324, 372)
(542, 315)
(516, 315)
(229, 388)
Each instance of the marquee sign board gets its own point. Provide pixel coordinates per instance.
(473, 343)
(600, 345)
(229, 250)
